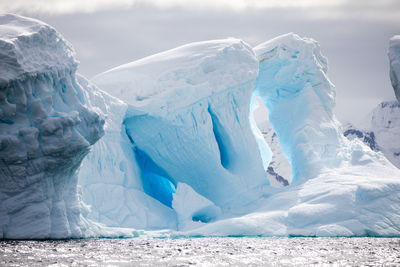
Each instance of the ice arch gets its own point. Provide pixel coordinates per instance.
(293, 84)
(188, 112)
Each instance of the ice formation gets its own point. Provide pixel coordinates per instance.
(293, 84)
(188, 121)
(394, 58)
(350, 190)
(109, 176)
(45, 132)
(180, 147)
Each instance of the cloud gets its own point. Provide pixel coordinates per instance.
(57, 7)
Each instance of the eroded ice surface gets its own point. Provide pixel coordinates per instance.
(45, 131)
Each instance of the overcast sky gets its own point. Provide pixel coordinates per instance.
(353, 34)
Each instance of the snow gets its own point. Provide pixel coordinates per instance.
(188, 121)
(45, 132)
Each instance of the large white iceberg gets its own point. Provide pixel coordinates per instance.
(341, 188)
(187, 121)
(180, 148)
(46, 130)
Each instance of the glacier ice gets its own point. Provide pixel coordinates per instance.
(188, 121)
(45, 132)
(394, 58)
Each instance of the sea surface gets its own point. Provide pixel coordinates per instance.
(203, 252)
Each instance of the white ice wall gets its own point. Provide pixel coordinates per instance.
(45, 132)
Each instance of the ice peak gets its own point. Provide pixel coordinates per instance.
(29, 46)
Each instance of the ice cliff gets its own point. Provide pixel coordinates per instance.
(45, 132)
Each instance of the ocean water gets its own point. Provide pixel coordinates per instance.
(203, 252)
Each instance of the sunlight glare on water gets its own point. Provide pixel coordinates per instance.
(202, 251)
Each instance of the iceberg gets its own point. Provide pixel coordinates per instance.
(340, 187)
(171, 143)
(394, 58)
(188, 122)
(46, 129)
